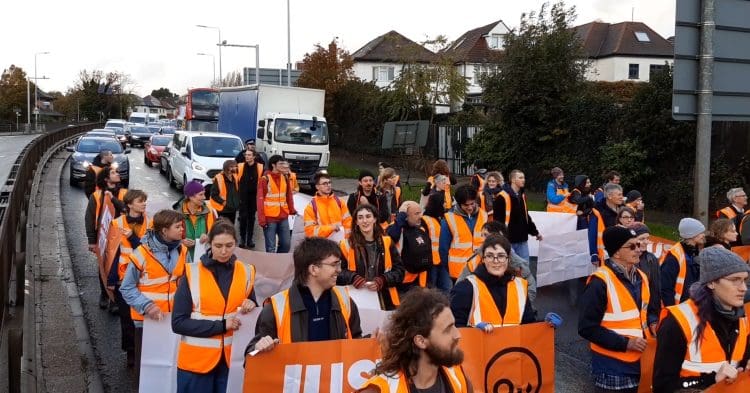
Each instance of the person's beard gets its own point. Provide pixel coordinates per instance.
(442, 358)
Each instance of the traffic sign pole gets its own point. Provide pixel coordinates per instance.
(705, 113)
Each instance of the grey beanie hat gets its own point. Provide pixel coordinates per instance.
(690, 228)
(718, 262)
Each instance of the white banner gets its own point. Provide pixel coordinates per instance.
(550, 224)
(563, 257)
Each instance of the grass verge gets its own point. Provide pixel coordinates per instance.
(336, 169)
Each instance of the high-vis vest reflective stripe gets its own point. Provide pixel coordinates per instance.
(728, 212)
(600, 250)
(351, 259)
(464, 242)
(241, 171)
(484, 308)
(389, 220)
(448, 202)
(98, 200)
(275, 201)
(433, 227)
(506, 198)
(220, 181)
(293, 181)
(282, 312)
(126, 248)
(622, 315)
(323, 212)
(474, 261)
(400, 384)
(202, 354)
(155, 282)
(705, 356)
(564, 206)
(679, 254)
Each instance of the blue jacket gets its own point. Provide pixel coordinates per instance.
(552, 196)
(446, 237)
(129, 287)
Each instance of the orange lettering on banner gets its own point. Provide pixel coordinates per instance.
(647, 366)
(741, 385)
(510, 359)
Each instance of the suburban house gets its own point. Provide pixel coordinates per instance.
(382, 59)
(46, 107)
(626, 51)
(475, 53)
(150, 104)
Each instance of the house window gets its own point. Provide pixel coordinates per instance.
(495, 41)
(383, 73)
(481, 71)
(655, 69)
(642, 37)
(633, 71)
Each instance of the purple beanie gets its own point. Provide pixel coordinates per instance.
(192, 187)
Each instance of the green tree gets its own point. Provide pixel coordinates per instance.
(162, 93)
(13, 93)
(359, 110)
(328, 69)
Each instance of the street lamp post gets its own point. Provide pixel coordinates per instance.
(28, 99)
(213, 59)
(288, 46)
(221, 75)
(257, 57)
(36, 90)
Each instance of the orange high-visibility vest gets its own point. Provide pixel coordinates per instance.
(293, 181)
(564, 206)
(679, 254)
(448, 202)
(389, 220)
(210, 217)
(474, 261)
(400, 383)
(98, 200)
(484, 308)
(282, 312)
(622, 315)
(220, 181)
(707, 355)
(202, 354)
(323, 212)
(275, 200)
(480, 180)
(351, 259)
(126, 248)
(600, 250)
(155, 282)
(241, 171)
(464, 242)
(433, 227)
(728, 212)
(506, 197)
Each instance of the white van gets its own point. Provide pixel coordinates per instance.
(196, 155)
(142, 118)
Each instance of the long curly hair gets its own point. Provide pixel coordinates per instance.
(357, 239)
(415, 316)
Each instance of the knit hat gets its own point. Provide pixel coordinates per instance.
(615, 237)
(690, 228)
(192, 187)
(633, 195)
(556, 171)
(718, 262)
(365, 173)
(639, 228)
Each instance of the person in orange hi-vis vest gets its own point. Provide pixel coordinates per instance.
(313, 308)
(735, 211)
(420, 348)
(557, 193)
(616, 315)
(199, 215)
(417, 238)
(492, 187)
(211, 294)
(440, 167)
(275, 205)
(104, 158)
(390, 195)
(511, 208)
(678, 267)
(460, 235)
(225, 191)
(371, 259)
(493, 295)
(704, 341)
(132, 226)
(634, 199)
(479, 176)
(326, 214)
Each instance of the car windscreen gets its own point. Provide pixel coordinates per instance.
(139, 130)
(91, 145)
(154, 130)
(113, 125)
(117, 131)
(167, 130)
(216, 146)
(160, 140)
(137, 119)
(301, 131)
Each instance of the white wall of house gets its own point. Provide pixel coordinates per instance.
(365, 70)
(613, 69)
(154, 110)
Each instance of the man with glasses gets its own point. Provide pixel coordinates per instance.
(326, 215)
(616, 314)
(313, 308)
(679, 268)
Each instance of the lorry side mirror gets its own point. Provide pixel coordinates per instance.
(261, 132)
(269, 136)
(261, 123)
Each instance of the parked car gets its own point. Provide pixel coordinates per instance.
(87, 148)
(197, 155)
(153, 149)
(154, 128)
(138, 135)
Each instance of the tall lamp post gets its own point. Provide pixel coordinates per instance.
(28, 99)
(221, 75)
(257, 57)
(36, 90)
(288, 46)
(213, 59)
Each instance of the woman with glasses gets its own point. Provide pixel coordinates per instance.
(625, 216)
(493, 296)
(372, 260)
(704, 340)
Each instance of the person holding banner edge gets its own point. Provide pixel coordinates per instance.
(206, 303)
(313, 308)
(199, 215)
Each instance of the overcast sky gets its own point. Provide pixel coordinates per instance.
(156, 41)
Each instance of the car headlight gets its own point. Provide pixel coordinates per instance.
(197, 167)
(152, 151)
(85, 164)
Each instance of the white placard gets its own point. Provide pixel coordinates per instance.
(337, 236)
(550, 224)
(199, 249)
(241, 338)
(563, 257)
(158, 356)
(365, 298)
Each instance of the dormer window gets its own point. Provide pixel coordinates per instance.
(495, 41)
(642, 36)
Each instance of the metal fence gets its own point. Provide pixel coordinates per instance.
(450, 142)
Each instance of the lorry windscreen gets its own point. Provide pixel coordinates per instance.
(301, 132)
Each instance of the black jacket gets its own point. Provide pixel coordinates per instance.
(671, 346)
(416, 250)
(391, 278)
(670, 268)
(608, 215)
(374, 199)
(91, 220)
(249, 186)
(183, 302)
(462, 296)
(266, 325)
(233, 195)
(649, 264)
(520, 225)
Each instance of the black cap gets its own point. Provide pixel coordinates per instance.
(614, 237)
(365, 173)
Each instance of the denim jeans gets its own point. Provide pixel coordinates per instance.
(280, 229)
(440, 279)
(214, 381)
(521, 249)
